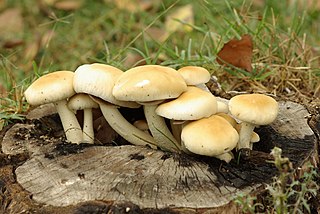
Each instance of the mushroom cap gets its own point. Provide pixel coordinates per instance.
(228, 118)
(50, 88)
(149, 83)
(98, 80)
(81, 101)
(209, 136)
(258, 109)
(192, 104)
(222, 107)
(194, 75)
(141, 124)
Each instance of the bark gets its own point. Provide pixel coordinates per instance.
(41, 173)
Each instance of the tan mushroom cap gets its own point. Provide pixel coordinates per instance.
(257, 109)
(149, 83)
(50, 88)
(192, 104)
(194, 75)
(210, 136)
(227, 117)
(98, 80)
(81, 101)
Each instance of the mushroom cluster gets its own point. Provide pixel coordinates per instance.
(180, 112)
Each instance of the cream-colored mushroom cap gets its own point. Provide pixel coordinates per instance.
(228, 118)
(192, 104)
(149, 83)
(210, 136)
(50, 88)
(257, 109)
(194, 75)
(81, 101)
(98, 80)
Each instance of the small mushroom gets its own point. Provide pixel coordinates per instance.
(56, 87)
(84, 102)
(222, 107)
(212, 136)
(229, 118)
(196, 76)
(254, 137)
(142, 125)
(149, 85)
(192, 104)
(252, 110)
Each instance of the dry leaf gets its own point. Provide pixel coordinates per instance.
(133, 59)
(157, 34)
(12, 43)
(48, 2)
(11, 23)
(46, 37)
(179, 19)
(237, 53)
(30, 53)
(31, 50)
(133, 5)
(306, 4)
(68, 5)
(3, 4)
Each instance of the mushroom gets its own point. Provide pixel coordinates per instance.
(142, 125)
(149, 85)
(222, 107)
(84, 102)
(254, 137)
(192, 104)
(252, 110)
(98, 80)
(228, 118)
(56, 87)
(195, 75)
(212, 136)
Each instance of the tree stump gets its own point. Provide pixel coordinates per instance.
(40, 173)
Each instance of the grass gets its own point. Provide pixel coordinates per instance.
(285, 34)
(288, 193)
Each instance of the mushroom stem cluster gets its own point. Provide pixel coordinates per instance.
(200, 122)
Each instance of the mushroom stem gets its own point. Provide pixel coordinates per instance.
(124, 128)
(245, 134)
(159, 129)
(176, 130)
(69, 122)
(227, 157)
(87, 130)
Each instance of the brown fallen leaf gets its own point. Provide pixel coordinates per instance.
(3, 4)
(11, 24)
(12, 43)
(68, 5)
(179, 19)
(133, 5)
(46, 38)
(157, 34)
(237, 53)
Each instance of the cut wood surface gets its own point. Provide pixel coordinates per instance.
(56, 176)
